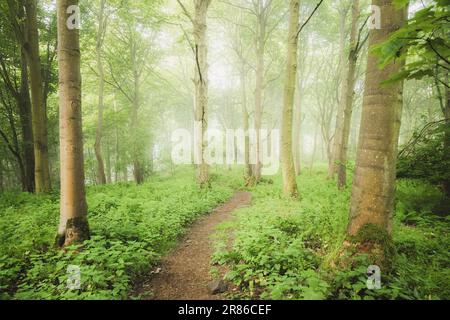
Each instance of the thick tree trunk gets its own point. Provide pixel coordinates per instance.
(73, 226)
(372, 201)
(201, 87)
(42, 171)
(287, 160)
(347, 101)
(101, 178)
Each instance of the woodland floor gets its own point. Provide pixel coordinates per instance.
(184, 274)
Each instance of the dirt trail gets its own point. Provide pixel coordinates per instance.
(184, 272)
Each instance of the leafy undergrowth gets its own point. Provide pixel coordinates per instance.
(286, 249)
(131, 227)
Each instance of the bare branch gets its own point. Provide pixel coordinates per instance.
(186, 13)
(309, 18)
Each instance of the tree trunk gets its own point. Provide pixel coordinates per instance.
(298, 139)
(137, 166)
(27, 126)
(259, 88)
(2, 182)
(447, 133)
(245, 119)
(313, 155)
(347, 101)
(101, 178)
(108, 162)
(138, 171)
(14, 147)
(201, 87)
(42, 171)
(372, 200)
(287, 160)
(73, 226)
(332, 168)
(125, 174)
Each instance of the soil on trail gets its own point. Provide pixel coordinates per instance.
(184, 274)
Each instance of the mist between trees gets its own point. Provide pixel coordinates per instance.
(228, 148)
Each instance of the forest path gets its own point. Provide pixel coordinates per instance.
(184, 274)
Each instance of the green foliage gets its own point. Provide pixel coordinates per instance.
(131, 227)
(427, 158)
(381, 249)
(279, 243)
(424, 39)
(287, 249)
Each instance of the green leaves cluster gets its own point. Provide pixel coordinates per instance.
(424, 40)
(427, 158)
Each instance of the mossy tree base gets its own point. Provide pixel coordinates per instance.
(377, 243)
(77, 231)
(372, 241)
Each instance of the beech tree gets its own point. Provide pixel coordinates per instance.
(426, 39)
(31, 45)
(287, 160)
(200, 50)
(342, 9)
(101, 29)
(346, 101)
(372, 200)
(73, 226)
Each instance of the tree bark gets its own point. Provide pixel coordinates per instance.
(201, 87)
(73, 226)
(347, 101)
(259, 87)
(446, 185)
(313, 155)
(13, 145)
(2, 183)
(42, 171)
(372, 200)
(138, 170)
(25, 116)
(101, 177)
(287, 160)
(108, 162)
(332, 167)
(298, 138)
(245, 120)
